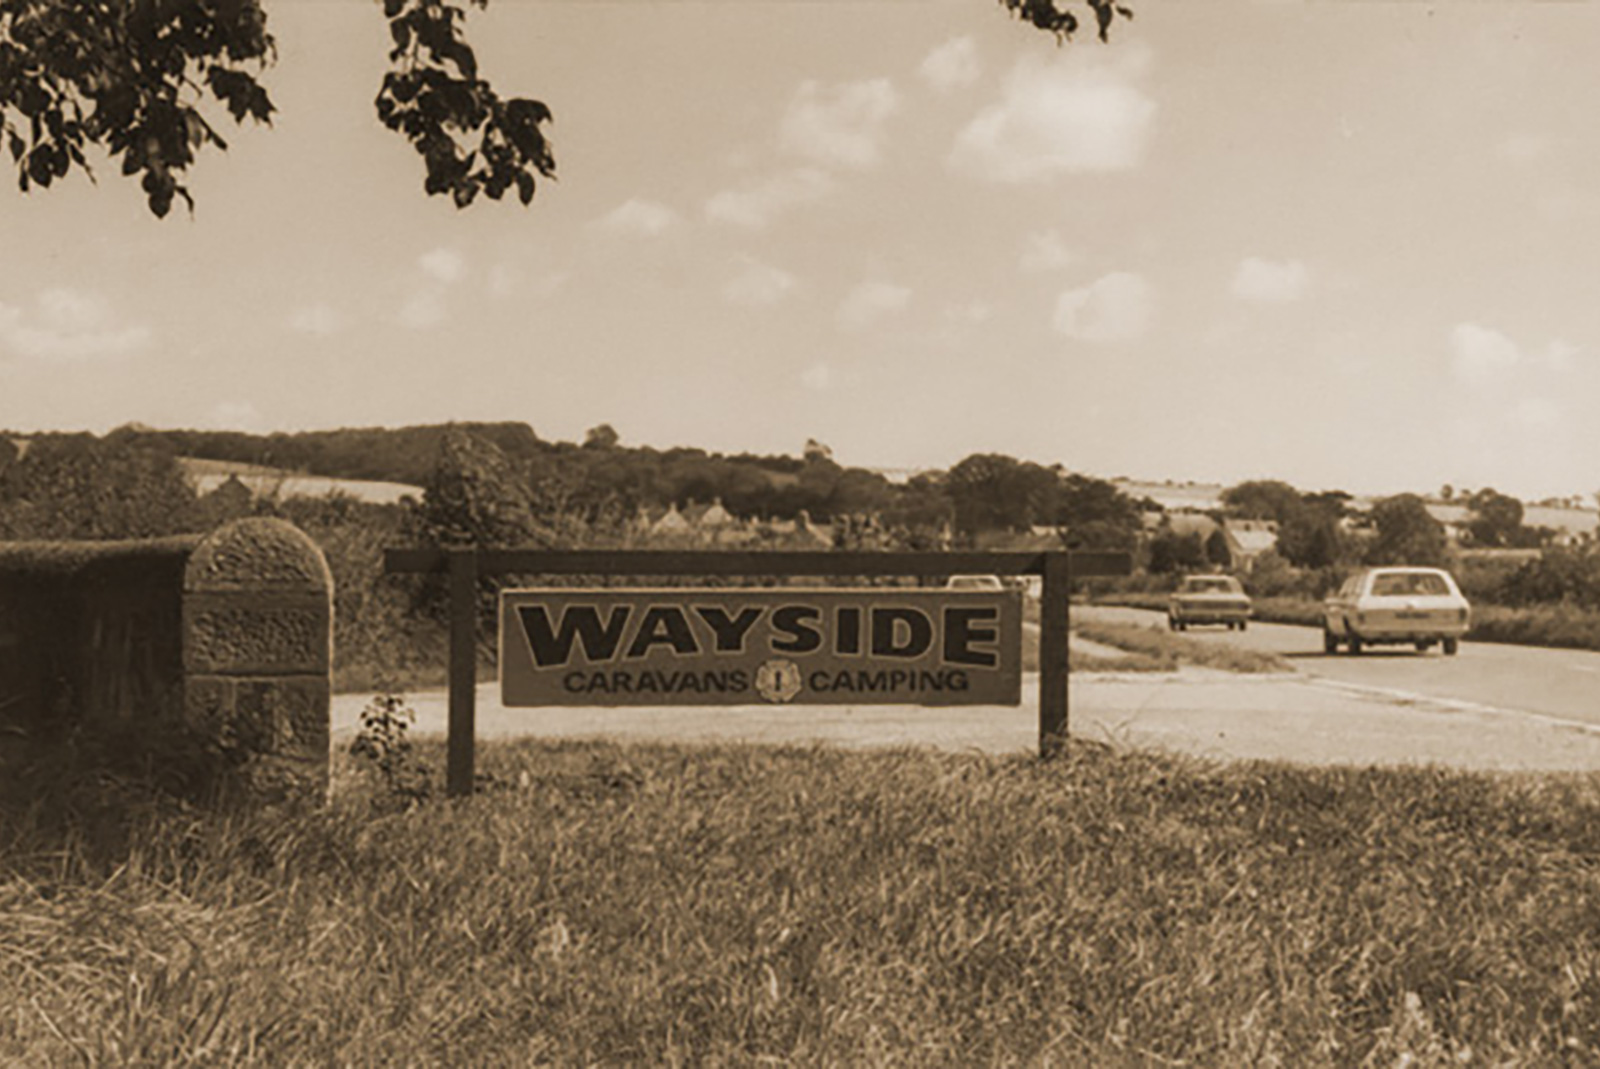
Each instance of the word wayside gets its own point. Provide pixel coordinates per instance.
(867, 645)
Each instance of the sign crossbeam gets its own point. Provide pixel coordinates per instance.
(464, 566)
(716, 562)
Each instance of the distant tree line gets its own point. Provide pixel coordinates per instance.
(559, 485)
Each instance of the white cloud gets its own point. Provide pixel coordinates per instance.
(426, 306)
(757, 205)
(952, 65)
(443, 265)
(870, 301)
(1115, 307)
(1479, 354)
(839, 126)
(67, 326)
(1270, 280)
(1081, 112)
(817, 377)
(758, 284)
(644, 218)
(319, 318)
(1045, 251)
(424, 309)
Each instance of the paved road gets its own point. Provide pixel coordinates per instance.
(1289, 716)
(1560, 684)
(1492, 707)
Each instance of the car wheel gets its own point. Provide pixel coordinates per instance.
(1355, 646)
(1243, 624)
(1172, 624)
(1330, 641)
(1450, 647)
(1423, 647)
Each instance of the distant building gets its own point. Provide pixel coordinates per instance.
(1246, 540)
(1249, 539)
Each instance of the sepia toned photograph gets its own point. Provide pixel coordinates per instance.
(1055, 533)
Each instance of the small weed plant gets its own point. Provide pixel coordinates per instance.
(384, 747)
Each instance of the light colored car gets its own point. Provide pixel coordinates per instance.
(1396, 606)
(1208, 599)
(974, 582)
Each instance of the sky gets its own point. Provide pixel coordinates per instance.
(1347, 245)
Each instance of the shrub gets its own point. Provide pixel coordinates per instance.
(81, 487)
(1559, 576)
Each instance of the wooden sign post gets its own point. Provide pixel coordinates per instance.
(464, 567)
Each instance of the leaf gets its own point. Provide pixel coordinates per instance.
(525, 187)
(1103, 14)
(461, 54)
(41, 167)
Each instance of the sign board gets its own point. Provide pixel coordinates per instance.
(694, 646)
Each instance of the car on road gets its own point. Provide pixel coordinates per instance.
(1208, 599)
(974, 582)
(1421, 607)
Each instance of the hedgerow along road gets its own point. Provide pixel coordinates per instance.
(1561, 684)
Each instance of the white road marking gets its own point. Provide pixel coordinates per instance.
(1454, 705)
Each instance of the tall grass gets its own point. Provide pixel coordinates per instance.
(669, 905)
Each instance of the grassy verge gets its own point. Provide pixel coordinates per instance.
(1168, 651)
(739, 905)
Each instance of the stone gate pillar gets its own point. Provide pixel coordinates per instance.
(258, 653)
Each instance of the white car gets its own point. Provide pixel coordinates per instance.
(1396, 606)
(974, 582)
(1209, 599)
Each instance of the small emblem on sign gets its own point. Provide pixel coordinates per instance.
(778, 680)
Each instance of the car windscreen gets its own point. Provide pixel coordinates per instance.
(1409, 584)
(1210, 586)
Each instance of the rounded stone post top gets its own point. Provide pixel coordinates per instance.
(260, 553)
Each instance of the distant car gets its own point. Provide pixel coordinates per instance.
(1209, 599)
(974, 582)
(1396, 606)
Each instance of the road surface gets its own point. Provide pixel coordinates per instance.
(1558, 684)
(1491, 708)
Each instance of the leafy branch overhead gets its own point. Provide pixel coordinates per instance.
(1049, 16)
(435, 98)
(129, 76)
(135, 78)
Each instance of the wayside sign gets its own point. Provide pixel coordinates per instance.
(746, 646)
